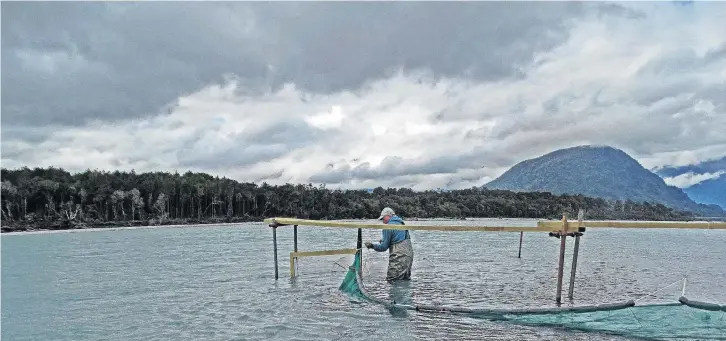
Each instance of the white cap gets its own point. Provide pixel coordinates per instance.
(386, 211)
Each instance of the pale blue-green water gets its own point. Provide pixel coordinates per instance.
(217, 282)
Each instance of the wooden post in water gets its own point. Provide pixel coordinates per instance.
(560, 269)
(294, 229)
(359, 246)
(521, 236)
(360, 239)
(293, 260)
(274, 245)
(580, 225)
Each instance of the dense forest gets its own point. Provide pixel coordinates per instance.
(52, 198)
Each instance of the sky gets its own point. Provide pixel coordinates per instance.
(359, 95)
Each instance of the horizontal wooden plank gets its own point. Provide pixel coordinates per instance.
(573, 224)
(322, 253)
(381, 226)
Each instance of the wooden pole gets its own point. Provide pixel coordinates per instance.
(560, 269)
(295, 238)
(360, 239)
(359, 246)
(521, 236)
(293, 260)
(580, 216)
(274, 245)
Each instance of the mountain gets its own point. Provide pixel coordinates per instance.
(712, 190)
(597, 171)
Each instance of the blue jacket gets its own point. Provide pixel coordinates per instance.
(391, 237)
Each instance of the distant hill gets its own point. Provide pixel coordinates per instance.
(597, 171)
(711, 191)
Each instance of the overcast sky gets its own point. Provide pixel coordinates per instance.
(358, 95)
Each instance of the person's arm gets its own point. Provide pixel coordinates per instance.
(385, 242)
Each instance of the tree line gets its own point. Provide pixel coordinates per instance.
(52, 198)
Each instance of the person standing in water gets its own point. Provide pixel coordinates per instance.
(399, 246)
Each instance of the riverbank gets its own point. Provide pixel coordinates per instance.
(55, 225)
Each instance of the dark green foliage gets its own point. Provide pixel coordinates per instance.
(603, 172)
(55, 199)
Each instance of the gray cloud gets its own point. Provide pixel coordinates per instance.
(395, 166)
(245, 149)
(68, 63)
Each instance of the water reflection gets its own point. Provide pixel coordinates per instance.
(400, 292)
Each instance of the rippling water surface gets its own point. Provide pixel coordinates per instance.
(217, 283)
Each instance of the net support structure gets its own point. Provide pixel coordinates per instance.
(559, 229)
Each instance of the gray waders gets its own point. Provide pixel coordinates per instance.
(400, 260)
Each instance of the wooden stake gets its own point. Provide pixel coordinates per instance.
(295, 238)
(293, 260)
(580, 216)
(274, 244)
(560, 269)
(521, 236)
(359, 245)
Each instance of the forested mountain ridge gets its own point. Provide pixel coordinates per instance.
(597, 171)
(52, 198)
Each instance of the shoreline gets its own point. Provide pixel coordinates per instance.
(120, 228)
(57, 226)
(53, 227)
(34, 228)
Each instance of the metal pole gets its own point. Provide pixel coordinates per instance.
(573, 271)
(521, 236)
(274, 243)
(563, 236)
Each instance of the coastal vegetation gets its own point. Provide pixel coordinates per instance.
(52, 198)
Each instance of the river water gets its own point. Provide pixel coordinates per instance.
(217, 282)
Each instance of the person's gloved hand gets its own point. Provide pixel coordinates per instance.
(369, 245)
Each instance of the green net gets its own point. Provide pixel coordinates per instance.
(683, 320)
(350, 284)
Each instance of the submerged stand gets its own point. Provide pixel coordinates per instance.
(562, 235)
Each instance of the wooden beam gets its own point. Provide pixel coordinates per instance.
(295, 255)
(380, 226)
(323, 253)
(556, 225)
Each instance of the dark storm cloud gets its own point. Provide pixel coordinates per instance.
(68, 63)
